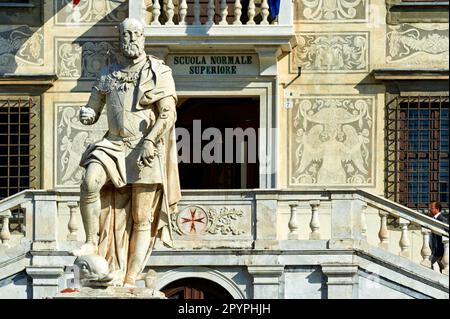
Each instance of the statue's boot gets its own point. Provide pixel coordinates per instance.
(139, 246)
(145, 202)
(89, 213)
(90, 206)
(86, 249)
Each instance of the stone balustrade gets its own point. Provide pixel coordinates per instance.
(5, 234)
(37, 213)
(12, 222)
(405, 223)
(236, 25)
(246, 219)
(210, 12)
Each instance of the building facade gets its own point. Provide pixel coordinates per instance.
(336, 112)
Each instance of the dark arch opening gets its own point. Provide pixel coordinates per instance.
(222, 114)
(195, 288)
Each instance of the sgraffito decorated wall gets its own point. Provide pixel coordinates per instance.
(331, 117)
(333, 113)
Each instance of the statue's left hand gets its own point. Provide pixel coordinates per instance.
(147, 154)
(87, 115)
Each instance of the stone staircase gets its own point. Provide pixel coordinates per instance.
(260, 243)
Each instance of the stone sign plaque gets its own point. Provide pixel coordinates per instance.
(213, 65)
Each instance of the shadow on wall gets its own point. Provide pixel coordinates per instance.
(21, 37)
(318, 276)
(14, 286)
(42, 39)
(24, 48)
(81, 59)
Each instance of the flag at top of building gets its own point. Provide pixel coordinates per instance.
(274, 7)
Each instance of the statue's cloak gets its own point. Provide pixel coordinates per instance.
(116, 198)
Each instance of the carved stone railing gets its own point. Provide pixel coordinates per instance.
(17, 204)
(40, 213)
(5, 234)
(211, 12)
(356, 215)
(406, 221)
(248, 219)
(184, 24)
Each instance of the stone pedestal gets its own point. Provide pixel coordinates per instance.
(266, 235)
(266, 281)
(346, 218)
(342, 280)
(110, 293)
(45, 280)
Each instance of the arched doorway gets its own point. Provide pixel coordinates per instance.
(195, 288)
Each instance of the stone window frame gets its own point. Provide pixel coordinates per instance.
(401, 88)
(417, 11)
(34, 135)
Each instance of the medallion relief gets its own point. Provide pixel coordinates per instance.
(196, 220)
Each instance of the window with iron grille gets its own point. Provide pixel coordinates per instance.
(417, 142)
(15, 145)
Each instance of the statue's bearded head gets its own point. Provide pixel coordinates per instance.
(132, 40)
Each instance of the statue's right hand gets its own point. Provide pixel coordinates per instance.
(87, 115)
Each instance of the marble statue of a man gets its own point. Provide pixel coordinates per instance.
(131, 184)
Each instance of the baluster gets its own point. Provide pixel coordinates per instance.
(265, 12)
(183, 12)
(156, 12)
(293, 224)
(237, 12)
(426, 250)
(445, 256)
(73, 224)
(223, 12)
(251, 12)
(383, 234)
(5, 235)
(197, 12)
(364, 220)
(170, 12)
(315, 223)
(404, 240)
(211, 12)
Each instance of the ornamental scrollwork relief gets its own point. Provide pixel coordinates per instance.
(21, 46)
(417, 44)
(196, 220)
(331, 141)
(333, 10)
(90, 11)
(334, 53)
(85, 59)
(72, 140)
(224, 221)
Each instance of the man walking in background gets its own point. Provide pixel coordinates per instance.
(436, 245)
